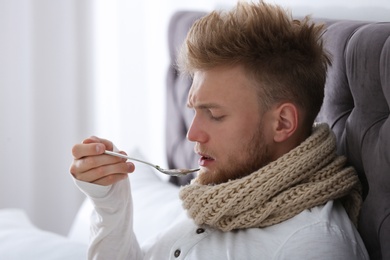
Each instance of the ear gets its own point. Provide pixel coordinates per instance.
(287, 121)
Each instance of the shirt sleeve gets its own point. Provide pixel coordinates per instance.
(112, 235)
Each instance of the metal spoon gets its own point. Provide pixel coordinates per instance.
(171, 172)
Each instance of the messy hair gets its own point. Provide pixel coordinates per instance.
(284, 57)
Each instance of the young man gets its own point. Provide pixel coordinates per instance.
(270, 184)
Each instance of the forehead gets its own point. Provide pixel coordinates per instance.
(222, 86)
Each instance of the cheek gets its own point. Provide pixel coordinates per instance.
(234, 142)
(232, 137)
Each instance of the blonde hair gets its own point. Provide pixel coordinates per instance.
(284, 57)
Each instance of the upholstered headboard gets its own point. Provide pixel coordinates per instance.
(356, 106)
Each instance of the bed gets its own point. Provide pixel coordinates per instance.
(356, 107)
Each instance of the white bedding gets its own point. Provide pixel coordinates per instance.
(20, 239)
(152, 196)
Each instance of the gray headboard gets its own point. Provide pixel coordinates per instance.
(356, 106)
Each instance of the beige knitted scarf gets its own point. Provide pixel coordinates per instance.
(309, 175)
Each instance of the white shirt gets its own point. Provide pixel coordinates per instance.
(323, 232)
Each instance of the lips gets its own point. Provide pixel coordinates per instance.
(205, 159)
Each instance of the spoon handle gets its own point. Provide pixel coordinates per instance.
(129, 158)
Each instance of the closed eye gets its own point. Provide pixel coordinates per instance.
(219, 118)
(214, 117)
(213, 111)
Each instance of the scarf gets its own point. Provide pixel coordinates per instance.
(309, 175)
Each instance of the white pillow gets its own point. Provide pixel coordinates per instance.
(20, 239)
(156, 204)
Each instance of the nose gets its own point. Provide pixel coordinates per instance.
(196, 132)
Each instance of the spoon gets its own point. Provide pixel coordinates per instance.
(171, 172)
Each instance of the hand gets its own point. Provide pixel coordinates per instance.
(90, 164)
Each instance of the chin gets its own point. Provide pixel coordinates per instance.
(208, 177)
(219, 176)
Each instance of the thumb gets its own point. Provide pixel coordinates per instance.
(94, 139)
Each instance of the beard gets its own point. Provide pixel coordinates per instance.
(254, 155)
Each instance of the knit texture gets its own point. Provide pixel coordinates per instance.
(309, 175)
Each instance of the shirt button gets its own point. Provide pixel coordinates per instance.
(177, 253)
(199, 230)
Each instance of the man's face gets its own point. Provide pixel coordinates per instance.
(228, 128)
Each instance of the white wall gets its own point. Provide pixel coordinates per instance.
(44, 72)
(375, 10)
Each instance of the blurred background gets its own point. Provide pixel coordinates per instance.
(74, 68)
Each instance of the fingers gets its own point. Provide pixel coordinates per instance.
(90, 164)
(103, 170)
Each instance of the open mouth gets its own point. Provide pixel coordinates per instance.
(205, 160)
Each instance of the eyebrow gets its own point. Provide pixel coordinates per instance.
(204, 106)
